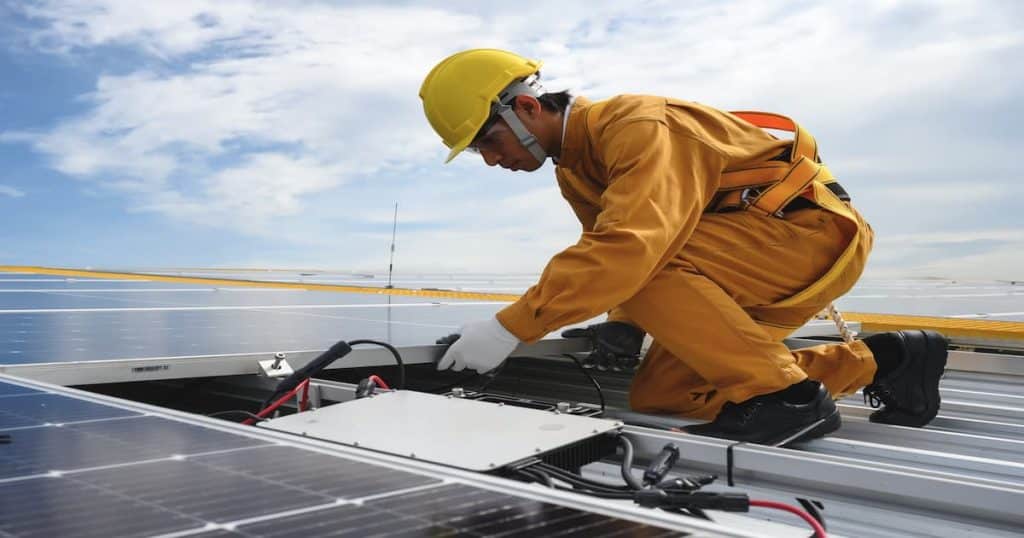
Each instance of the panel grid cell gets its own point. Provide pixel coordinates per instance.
(165, 436)
(316, 472)
(40, 450)
(38, 409)
(49, 507)
(477, 512)
(10, 389)
(200, 491)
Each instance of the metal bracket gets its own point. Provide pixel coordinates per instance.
(276, 367)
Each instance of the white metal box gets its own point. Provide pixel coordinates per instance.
(468, 434)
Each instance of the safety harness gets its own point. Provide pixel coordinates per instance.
(795, 180)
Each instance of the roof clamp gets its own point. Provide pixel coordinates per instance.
(276, 367)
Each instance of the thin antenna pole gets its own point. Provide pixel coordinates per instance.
(394, 229)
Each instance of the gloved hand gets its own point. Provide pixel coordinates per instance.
(616, 345)
(481, 346)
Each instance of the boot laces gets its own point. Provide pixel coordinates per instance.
(747, 412)
(876, 395)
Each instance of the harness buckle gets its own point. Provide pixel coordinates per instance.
(749, 195)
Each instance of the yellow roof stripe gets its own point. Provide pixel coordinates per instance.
(427, 293)
(964, 328)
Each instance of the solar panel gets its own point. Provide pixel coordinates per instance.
(51, 327)
(476, 511)
(204, 492)
(62, 507)
(14, 390)
(123, 473)
(316, 472)
(34, 409)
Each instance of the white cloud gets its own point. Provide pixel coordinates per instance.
(299, 122)
(6, 190)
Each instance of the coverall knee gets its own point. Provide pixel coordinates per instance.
(717, 328)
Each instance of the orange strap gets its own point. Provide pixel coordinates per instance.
(769, 186)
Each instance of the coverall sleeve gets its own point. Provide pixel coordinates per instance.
(585, 212)
(587, 215)
(659, 181)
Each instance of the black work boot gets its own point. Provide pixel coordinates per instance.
(770, 420)
(910, 391)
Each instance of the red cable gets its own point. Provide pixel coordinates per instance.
(819, 531)
(270, 408)
(380, 382)
(304, 401)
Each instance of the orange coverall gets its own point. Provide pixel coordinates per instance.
(640, 172)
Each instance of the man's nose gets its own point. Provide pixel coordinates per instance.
(490, 157)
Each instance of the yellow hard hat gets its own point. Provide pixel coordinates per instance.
(458, 93)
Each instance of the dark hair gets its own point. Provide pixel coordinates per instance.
(555, 102)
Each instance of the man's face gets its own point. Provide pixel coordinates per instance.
(498, 145)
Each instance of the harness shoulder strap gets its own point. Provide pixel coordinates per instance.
(768, 187)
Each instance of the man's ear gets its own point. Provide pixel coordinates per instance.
(527, 104)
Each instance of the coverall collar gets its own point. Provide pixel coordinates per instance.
(574, 135)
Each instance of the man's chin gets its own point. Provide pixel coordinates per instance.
(532, 166)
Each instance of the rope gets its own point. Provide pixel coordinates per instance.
(844, 329)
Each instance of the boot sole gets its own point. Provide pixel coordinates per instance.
(932, 348)
(817, 429)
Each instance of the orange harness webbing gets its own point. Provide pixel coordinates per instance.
(767, 187)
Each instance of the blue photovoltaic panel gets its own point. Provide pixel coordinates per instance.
(126, 474)
(40, 408)
(204, 492)
(106, 442)
(67, 337)
(53, 507)
(319, 473)
(85, 320)
(453, 510)
(14, 390)
(179, 319)
(166, 437)
(44, 449)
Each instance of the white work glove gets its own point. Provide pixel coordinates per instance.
(482, 346)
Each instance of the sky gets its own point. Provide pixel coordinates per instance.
(243, 133)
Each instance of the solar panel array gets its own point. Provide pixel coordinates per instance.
(47, 319)
(76, 467)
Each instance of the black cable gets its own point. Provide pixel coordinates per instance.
(394, 352)
(539, 476)
(491, 376)
(812, 508)
(461, 382)
(627, 463)
(253, 416)
(573, 478)
(690, 512)
(596, 493)
(335, 352)
(593, 380)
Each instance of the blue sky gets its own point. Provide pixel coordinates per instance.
(245, 133)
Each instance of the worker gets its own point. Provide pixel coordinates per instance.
(700, 229)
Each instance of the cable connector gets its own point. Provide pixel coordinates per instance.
(704, 500)
(366, 387)
(335, 352)
(661, 464)
(687, 483)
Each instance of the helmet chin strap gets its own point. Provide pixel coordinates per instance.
(530, 86)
